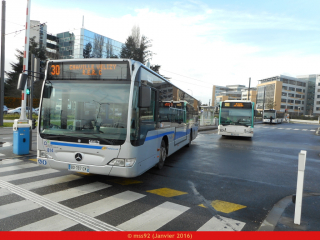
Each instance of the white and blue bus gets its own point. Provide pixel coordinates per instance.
(112, 117)
(236, 118)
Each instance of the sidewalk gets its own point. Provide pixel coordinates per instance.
(281, 217)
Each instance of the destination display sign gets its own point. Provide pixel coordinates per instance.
(99, 70)
(236, 105)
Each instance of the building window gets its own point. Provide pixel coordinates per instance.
(302, 102)
(290, 95)
(285, 80)
(292, 89)
(298, 96)
(290, 101)
(318, 96)
(298, 102)
(283, 106)
(318, 83)
(318, 108)
(284, 94)
(290, 107)
(292, 82)
(283, 100)
(298, 90)
(284, 88)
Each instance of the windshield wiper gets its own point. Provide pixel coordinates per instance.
(101, 139)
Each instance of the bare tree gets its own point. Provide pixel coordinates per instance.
(135, 33)
(270, 104)
(98, 46)
(109, 48)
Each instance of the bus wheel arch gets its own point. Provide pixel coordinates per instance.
(190, 139)
(163, 152)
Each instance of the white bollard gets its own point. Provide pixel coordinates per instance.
(301, 166)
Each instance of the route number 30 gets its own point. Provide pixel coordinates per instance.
(55, 69)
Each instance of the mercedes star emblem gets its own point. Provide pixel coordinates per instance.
(78, 157)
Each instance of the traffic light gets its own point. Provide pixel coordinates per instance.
(33, 123)
(28, 91)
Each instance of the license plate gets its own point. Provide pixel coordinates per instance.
(234, 134)
(78, 168)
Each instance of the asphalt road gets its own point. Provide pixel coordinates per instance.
(236, 181)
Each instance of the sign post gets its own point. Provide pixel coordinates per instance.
(301, 167)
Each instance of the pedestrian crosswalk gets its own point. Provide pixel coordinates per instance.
(43, 205)
(283, 128)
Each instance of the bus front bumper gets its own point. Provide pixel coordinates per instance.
(87, 169)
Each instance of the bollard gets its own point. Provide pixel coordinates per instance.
(301, 166)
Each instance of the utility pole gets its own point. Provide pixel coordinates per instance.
(23, 115)
(249, 88)
(3, 32)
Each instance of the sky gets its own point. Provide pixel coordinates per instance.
(197, 43)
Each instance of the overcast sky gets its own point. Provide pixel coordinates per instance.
(197, 43)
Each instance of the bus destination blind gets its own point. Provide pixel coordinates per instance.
(82, 70)
(236, 105)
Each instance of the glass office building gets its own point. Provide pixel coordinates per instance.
(72, 45)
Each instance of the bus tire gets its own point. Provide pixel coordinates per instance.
(190, 139)
(163, 155)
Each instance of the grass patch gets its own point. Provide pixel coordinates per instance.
(16, 116)
(6, 124)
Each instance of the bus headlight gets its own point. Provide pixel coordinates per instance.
(43, 154)
(122, 162)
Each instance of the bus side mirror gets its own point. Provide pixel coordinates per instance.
(144, 97)
(22, 81)
(47, 91)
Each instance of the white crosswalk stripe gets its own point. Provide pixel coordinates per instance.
(150, 220)
(154, 218)
(27, 205)
(19, 176)
(218, 223)
(91, 209)
(18, 167)
(43, 183)
(9, 161)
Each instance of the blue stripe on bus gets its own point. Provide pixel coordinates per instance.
(75, 145)
(159, 135)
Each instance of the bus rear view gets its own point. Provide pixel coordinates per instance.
(236, 118)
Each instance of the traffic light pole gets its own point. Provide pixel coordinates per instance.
(31, 79)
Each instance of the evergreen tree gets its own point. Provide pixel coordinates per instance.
(129, 49)
(10, 88)
(87, 50)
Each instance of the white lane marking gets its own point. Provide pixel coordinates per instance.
(18, 167)
(59, 222)
(9, 161)
(154, 218)
(27, 175)
(304, 129)
(312, 130)
(26, 205)
(288, 128)
(223, 224)
(280, 128)
(296, 129)
(43, 183)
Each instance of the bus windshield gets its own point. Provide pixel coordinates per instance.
(268, 114)
(83, 111)
(236, 116)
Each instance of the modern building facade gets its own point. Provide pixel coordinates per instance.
(229, 92)
(72, 45)
(283, 93)
(249, 95)
(42, 37)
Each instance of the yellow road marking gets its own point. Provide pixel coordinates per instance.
(33, 159)
(126, 181)
(225, 207)
(167, 192)
(83, 173)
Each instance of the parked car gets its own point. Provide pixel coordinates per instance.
(18, 110)
(5, 109)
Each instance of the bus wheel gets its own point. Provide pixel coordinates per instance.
(163, 155)
(190, 139)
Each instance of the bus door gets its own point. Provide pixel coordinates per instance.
(181, 127)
